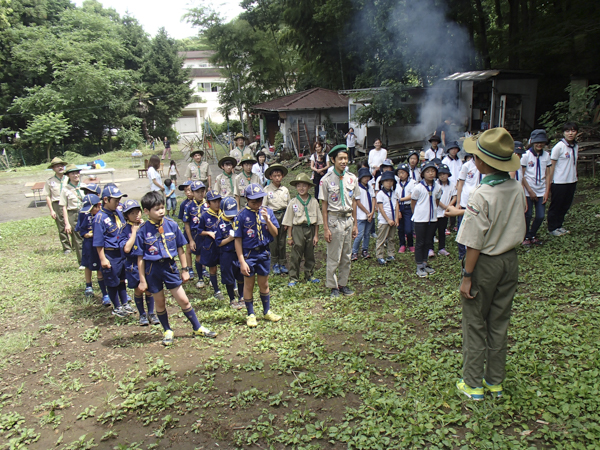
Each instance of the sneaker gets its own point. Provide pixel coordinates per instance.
(564, 231)
(81, 267)
(283, 269)
(67, 252)
(411, 249)
(127, 308)
(200, 284)
(431, 253)
(276, 269)
(536, 241)
(154, 319)
(346, 291)
(526, 242)
(354, 257)
(167, 338)
(381, 261)
(205, 332)
(390, 259)
(218, 295)
(402, 249)
(429, 270)
(556, 232)
(447, 232)
(237, 305)
(128, 298)
(365, 254)
(495, 389)
(89, 292)
(472, 393)
(120, 312)
(106, 300)
(292, 283)
(272, 317)
(334, 293)
(191, 272)
(205, 273)
(373, 235)
(236, 293)
(444, 252)
(313, 280)
(251, 321)
(421, 273)
(144, 322)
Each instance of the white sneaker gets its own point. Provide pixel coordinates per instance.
(200, 284)
(564, 231)
(556, 232)
(421, 273)
(81, 267)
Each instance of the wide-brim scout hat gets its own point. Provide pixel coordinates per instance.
(71, 168)
(112, 192)
(496, 148)
(364, 172)
(239, 136)
(130, 204)
(274, 167)
(254, 191)
(195, 185)
(248, 159)
(89, 201)
(519, 148)
(56, 162)
(453, 144)
(387, 176)
(538, 136)
(227, 159)
(183, 185)
(435, 137)
(404, 167)
(213, 195)
(193, 152)
(92, 188)
(302, 178)
(429, 165)
(337, 149)
(229, 207)
(387, 163)
(444, 169)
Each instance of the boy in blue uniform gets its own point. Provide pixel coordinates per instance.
(108, 224)
(89, 255)
(158, 241)
(191, 217)
(185, 187)
(208, 223)
(224, 238)
(254, 228)
(133, 214)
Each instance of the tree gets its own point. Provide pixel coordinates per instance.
(47, 129)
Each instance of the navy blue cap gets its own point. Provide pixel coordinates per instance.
(519, 148)
(112, 191)
(436, 161)
(183, 185)
(538, 136)
(254, 191)
(131, 204)
(89, 201)
(444, 169)
(387, 163)
(387, 176)
(364, 172)
(195, 185)
(92, 187)
(453, 144)
(212, 195)
(413, 152)
(429, 165)
(404, 167)
(229, 207)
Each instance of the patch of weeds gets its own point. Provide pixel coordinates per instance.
(15, 342)
(110, 434)
(247, 398)
(90, 335)
(51, 419)
(81, 444)
(87, 413)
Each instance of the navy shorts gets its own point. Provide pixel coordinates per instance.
(132, 274)
(230, 272)
(198, 240)
(89, 255)
(162, 273)
(259, 261)
(209, 255)
(116, 273)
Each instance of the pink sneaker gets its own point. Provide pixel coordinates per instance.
(431, 254)
(411, 249)
(443, 252)
(402, 249)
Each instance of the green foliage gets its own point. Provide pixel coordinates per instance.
(47, 129)
(131, 137)
(91, 335)
(278, 139)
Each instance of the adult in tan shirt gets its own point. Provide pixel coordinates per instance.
(277, 199)
(52, 190)
(245, 179)
(70, 200)
(198, 169)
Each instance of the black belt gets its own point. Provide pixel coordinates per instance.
(166, 260)
(260, 248)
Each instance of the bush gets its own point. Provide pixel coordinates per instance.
(131, 138)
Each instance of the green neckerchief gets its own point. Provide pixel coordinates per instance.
(305, 207)
(495, 178)
(61, 182)
(77, 191)
(341, 185)
(249, 178)
(230, 181)
(198, 167)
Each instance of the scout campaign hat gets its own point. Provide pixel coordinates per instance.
(212, 195)
(193, 152)
(92, 188)
(239, 136)
(338, 148)
(444, 169)
(496, 148)
(429, 165)
(254, 191)
(435, 137)
(71, 168)
(89, 201)
(364, 172)
(195, 185)
(247, 159)
(130, 204)
(519, 148)
(57, 161)
(538, 136)
(273, 167)
(229, 207)
(302, 178)
(183, 185)
(404, 167)
(227, 159)
(112, 191)
(387, 176)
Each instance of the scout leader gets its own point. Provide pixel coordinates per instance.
(246, 178)
(225, 182)
(52, 190)
(339, 190)
(493, 225)
(198, 169)
(70, 200)
(277, 198)
(240, 150)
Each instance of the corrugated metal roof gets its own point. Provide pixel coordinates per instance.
(477, 75)
(316, 98)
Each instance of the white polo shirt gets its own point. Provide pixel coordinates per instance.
(364, 199)
(405, 191)
(431, 153)
(454, 165)
(448, 191)
(471, 177)
(424, 211)
(388, 200)
(565, 156)
(534, 171)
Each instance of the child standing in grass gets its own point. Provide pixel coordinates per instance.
(158, 241)
(302, 219)
(208, 223)
(225, 182)
(173, 172)
(191, 218)
(387, 205)
(404, 189)
(254, 229)
(133, 214)
(448, 198)
(277, 197)
(189, 196)
(365, 209)
(171, 198)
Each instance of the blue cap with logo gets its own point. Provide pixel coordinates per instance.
(444, 169)
(254, 191)
(212, 195)
(183, 185)
(229, 207)
(89, 201)
(112, 191)
(130, 204)
(387, 163)
(195, 185)
(429, 165)
(92, 187)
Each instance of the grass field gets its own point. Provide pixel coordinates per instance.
(375, 371)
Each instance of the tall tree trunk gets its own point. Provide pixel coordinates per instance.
(500, 18)
(145, 129)
(513, 34)
(483, 33)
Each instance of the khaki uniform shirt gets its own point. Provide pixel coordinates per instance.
(330, 192)
(197, 172)
(236, 153)
(53, 187)
(295, 214)
(70, 197)
(226, 186)
(242, 182)
(277, 198)
(248, 152)
(494, 222)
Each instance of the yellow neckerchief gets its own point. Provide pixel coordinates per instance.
(341, 184)
(258, 223)
(134, 224)
(161, 230)
(115, 215)
(230, 179)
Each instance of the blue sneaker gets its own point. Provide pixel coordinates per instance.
(283, 269)
(276, 269)
(191, 272)
(128, 298)
(89, 292)
(390, 258)
(495, 389)
(292, 283)
(381, 261)
(106, 300)
(313, 280)
(205, 273)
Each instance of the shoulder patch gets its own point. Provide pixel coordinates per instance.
(474, 211)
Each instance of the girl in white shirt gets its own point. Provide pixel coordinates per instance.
(389, 212)
(365, 209)
(156, 183)
(435, 151)
(404, 189)
(448, 198)
(376, 157)
(413, 162)
(260, 167)
(351, 144)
